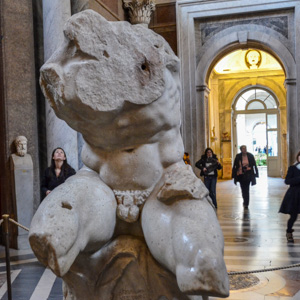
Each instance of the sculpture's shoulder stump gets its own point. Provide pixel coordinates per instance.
(122, 270)
(180, 183)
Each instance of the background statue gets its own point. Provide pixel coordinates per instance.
(136, 219)
(21, 145)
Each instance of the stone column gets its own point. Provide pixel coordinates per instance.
(283, 141)
(226, 137)
(292, 120)
(59, 134)
(227, 160)
(201, 120)
(140, 11)
(284, 165)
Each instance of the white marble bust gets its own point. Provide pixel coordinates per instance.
(21, 145)
(21, 159)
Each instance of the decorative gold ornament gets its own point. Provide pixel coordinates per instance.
(253, 59)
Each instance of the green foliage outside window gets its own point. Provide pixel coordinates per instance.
(261, 159)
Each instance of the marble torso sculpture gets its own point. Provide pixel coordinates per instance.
(119, 86)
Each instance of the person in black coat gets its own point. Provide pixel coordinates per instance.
(57, 173)
(245, 172)
(291, 201)
(209, 164)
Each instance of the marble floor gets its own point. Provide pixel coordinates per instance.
(254, 239)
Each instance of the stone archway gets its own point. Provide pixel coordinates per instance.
(227, 85)
(221, 45)
(232, 26)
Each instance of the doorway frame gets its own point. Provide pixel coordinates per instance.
(196, 64)
(257, 111)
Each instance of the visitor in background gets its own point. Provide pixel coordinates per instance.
(209, 164)
(57, 173)
(245, 172)
(186, 158)
(291, 201)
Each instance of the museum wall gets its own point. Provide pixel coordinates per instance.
(18, 92)
(163, 19)
(112, 10)
(163, 22)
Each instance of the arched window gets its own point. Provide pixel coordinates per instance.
(254, 99)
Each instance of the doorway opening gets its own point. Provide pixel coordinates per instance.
(255, 115)
(247, 106)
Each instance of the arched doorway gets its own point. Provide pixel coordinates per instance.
(256, 125)
(243, 94)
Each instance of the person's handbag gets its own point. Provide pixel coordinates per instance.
(213, 165)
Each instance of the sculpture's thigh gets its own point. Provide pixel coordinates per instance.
(185, 236)
(79, 215)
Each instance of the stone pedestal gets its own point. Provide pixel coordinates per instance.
(125, 270)
(22, 182)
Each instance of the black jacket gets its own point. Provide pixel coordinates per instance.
(50, 181)
(249, 175)
(215, 165)
(291, 201)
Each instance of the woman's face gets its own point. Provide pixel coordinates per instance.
(298, 159)
(59, 154)
(209, 153)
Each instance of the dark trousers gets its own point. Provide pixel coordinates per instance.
(291, 222)
(211, 182)
(245, 187)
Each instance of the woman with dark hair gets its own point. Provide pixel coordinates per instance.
(57, 173)
(209, 164)
(291, 201)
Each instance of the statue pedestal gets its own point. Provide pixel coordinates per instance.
(22, 182)
(122, 270)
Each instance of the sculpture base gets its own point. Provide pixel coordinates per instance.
(124, 269)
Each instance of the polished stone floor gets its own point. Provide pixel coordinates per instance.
(254, 240)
